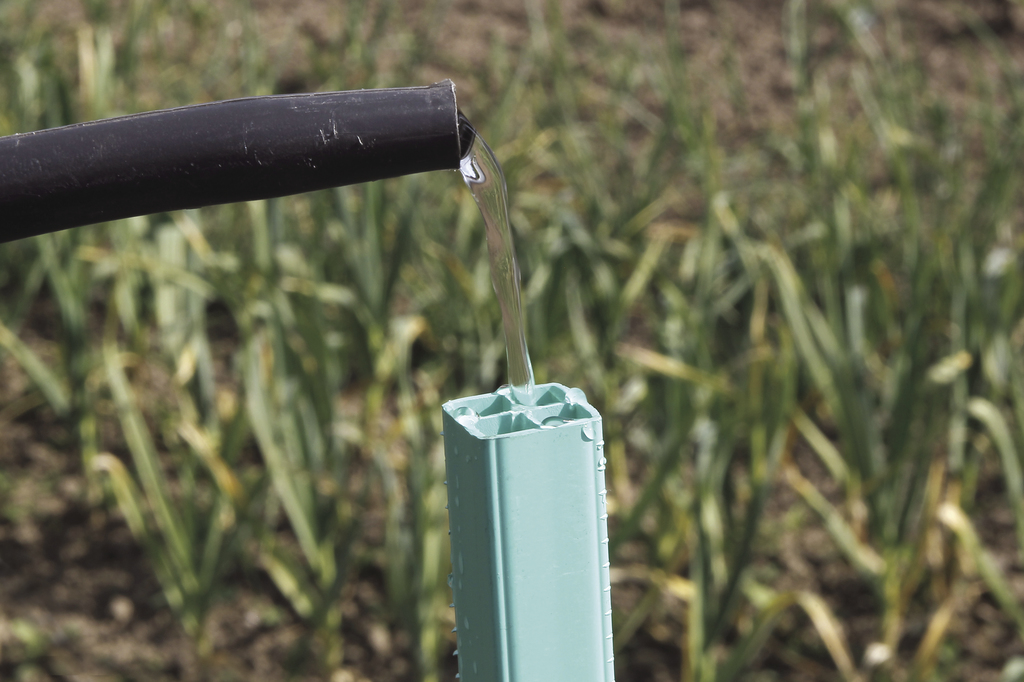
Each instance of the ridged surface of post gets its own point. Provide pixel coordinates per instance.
(529, 535)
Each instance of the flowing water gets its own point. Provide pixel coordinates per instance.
(482, 173)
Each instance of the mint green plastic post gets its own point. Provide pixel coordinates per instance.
(529, 532)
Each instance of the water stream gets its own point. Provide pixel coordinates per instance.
(482, 173)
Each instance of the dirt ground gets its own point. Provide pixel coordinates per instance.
(77, 574)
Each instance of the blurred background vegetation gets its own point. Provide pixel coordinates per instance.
(778, 244)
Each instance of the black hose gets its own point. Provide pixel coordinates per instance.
(221, 152)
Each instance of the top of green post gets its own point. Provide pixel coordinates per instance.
(498, 415)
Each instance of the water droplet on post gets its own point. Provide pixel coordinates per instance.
(575, 396)
(466, 416)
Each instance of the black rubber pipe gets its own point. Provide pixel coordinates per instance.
(236, 150)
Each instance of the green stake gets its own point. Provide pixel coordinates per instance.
(529, 532)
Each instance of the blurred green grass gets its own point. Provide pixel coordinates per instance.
(826, 314)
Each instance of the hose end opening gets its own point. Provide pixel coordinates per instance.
(466, 135)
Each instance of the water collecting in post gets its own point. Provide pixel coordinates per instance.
(482, 173)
